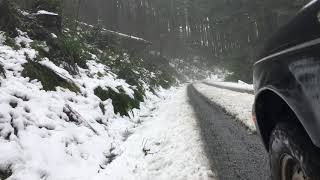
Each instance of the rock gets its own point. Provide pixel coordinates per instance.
(50, 21)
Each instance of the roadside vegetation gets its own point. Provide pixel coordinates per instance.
(71, 45)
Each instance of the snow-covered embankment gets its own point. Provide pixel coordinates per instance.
(167, 146)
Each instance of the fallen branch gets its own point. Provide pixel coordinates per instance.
(77, 118)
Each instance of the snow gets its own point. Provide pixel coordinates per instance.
(240, 86)
(54, 36)
(116, 33)
(38, 140)
(167, 146)
(236, 104)
(63, 73)
(23, 12)
(309, 4)
(46, 12)
(126, 36)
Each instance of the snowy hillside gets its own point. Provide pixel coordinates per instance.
(59, 134)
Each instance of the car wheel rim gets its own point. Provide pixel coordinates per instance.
(291, 169)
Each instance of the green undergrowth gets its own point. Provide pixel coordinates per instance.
(9, 18)
(164, 80)
(11, 42)
(66, 51)
(41, 47)
(74, 49)
(135, 70)
(48, 78)
(122, 103)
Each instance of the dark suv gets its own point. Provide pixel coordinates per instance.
(287, 97)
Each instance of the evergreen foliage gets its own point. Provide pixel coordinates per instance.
(73, 49)
(40, 46)
(11, 42)
(9, 17)
(121, 102)
(66, 50)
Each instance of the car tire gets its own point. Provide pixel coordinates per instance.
(292, 154)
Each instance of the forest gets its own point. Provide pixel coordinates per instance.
(226, 33)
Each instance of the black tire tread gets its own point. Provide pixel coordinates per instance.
(291, 138)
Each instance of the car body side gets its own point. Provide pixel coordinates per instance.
(287, 77)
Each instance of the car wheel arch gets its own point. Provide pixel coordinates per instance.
(270, 108)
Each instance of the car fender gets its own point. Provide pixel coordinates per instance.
(295, 79)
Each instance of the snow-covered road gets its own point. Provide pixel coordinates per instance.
(234, 152)
(237, 104)
(167, 146)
